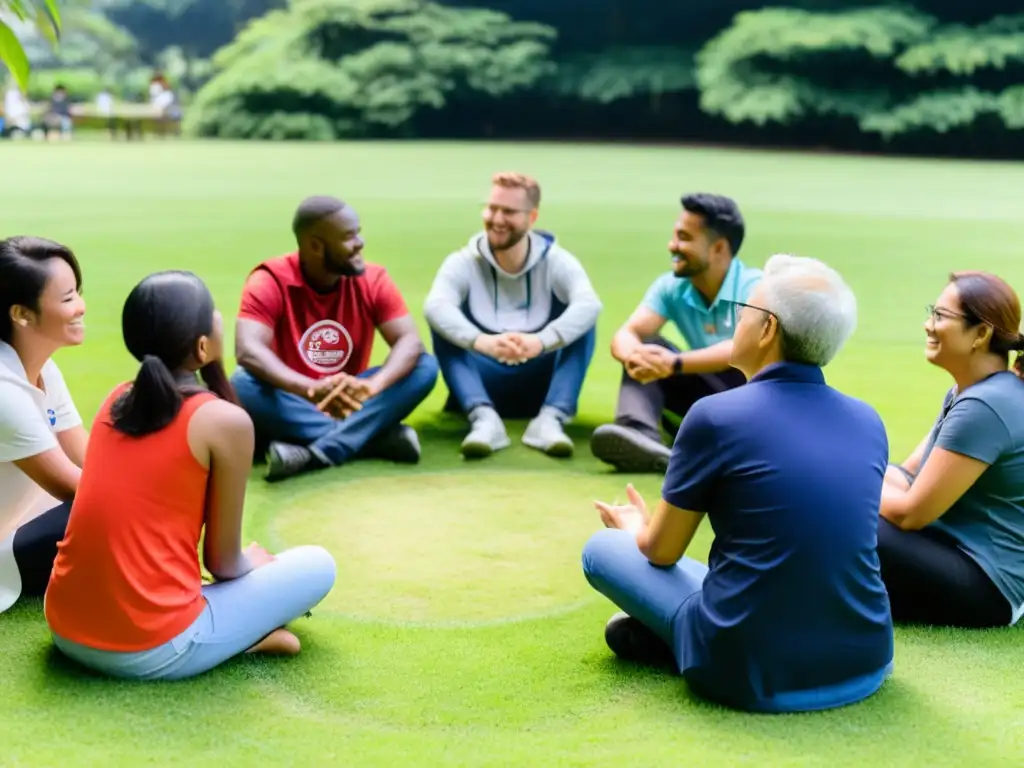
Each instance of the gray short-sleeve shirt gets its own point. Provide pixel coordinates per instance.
(986, 422)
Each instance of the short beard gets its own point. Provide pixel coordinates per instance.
(511, 241)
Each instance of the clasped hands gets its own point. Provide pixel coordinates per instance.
(650, 362)
(509, 348)
(341, 395)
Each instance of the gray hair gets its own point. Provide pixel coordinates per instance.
(817, 310)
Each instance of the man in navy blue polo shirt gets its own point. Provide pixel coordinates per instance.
(791, 613)
(696, 296)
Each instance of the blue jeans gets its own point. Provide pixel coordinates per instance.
(554, 378)
(667, 600)
(239, 613)
(282, 416)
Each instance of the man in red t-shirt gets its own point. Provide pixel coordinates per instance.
(303, 341)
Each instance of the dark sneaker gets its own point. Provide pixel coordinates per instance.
(286, 460)
(400, 443)
(628, 450)
(632, 641)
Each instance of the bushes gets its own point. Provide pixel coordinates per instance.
(326, 69)
(895, 71)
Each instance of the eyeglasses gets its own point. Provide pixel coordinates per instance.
(938, 313)
(739, 306)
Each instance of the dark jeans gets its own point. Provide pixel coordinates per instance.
(34, 548)
(554, 378)
(282, 416)
(642, 406)
(930, 580)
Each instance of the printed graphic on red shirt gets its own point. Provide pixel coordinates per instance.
(326, 346)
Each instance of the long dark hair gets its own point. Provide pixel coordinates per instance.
(986, 298)
(24, 273)
(163, 318)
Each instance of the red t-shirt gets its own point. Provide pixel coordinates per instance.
(320, 334)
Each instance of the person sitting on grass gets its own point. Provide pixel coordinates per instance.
(166, 467)
(303, 340)
(951, 533)
(657, 379)
(791, 613)
(42, 440)
(512, 318)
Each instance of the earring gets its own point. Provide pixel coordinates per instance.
(23, 323)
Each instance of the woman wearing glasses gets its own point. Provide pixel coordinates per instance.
(951, 533)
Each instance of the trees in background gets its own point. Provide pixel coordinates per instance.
(912, 75)
(324, 69)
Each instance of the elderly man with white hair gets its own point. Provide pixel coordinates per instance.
(791, 613)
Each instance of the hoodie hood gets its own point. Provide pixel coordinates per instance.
(540, 243)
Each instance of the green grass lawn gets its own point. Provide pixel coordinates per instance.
(461, 630)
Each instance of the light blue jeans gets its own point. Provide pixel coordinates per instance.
(239, 613)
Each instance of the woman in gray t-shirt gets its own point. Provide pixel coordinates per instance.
(951, 533)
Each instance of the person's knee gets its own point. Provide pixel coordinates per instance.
(423, 377)
(319, 568)
(604, 548)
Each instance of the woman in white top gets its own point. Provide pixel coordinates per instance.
(42, 440)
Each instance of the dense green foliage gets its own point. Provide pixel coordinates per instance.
(323, 69)
(893, 70)
(930, 76)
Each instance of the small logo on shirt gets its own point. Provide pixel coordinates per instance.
(52, 416)
(326, 346)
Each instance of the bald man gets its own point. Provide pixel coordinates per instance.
(303, 341)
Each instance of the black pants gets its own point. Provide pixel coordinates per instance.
(642, 406)
(35, 548)
(931, 581)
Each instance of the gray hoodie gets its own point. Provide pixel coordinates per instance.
(472, 294)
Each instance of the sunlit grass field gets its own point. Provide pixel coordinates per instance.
(461, 630)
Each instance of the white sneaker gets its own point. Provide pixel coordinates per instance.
(545, 433)
(487, 434)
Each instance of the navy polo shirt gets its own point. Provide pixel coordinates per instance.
(793, 613)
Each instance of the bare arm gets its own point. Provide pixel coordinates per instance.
(403, 337)
(52, 471)
(642, 326)
(74, 442)
(254, 352)
(668, 534)
(913, 462)
(225, 432)
(945, 477)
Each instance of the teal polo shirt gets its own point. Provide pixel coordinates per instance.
(675, 299)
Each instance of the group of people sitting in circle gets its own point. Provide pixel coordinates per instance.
(820, 542)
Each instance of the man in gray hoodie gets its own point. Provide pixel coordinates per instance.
(512, 318)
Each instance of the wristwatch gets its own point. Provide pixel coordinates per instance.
(677, 365)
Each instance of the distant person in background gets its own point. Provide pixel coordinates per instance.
(42, 440)
(790, 613)
(657, 379)
(17, 117)
(513, 320)
(57, 120)
(167, 466)
(303, 341)
(105, 109)
(951, 533)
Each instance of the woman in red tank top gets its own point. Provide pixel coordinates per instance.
(167, 465)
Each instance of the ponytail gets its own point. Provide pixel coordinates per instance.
(217, 382)
(1018, 364)
(151, 403)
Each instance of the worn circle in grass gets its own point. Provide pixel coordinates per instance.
(453, 548)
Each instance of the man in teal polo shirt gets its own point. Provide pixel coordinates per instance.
(696, 296)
